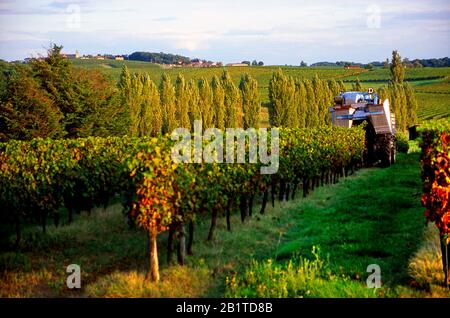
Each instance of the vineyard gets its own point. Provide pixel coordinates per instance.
(104, 190)
(47, 176)
(436, 185)
(111, 251)
(412, 74)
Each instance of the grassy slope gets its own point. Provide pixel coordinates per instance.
(371, 217)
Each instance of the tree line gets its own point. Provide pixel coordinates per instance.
(299, 103)
(51, 98)
(439, 62)
(160, 58)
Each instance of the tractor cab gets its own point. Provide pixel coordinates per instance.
(349, 98)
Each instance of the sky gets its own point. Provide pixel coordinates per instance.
(275, 32)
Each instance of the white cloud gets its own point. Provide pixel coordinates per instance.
(204, 25)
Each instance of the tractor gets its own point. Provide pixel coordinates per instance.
(356, 108)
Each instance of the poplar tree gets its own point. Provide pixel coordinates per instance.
(397, 101)
(218, 103)
(251, 104)
(397, 69)
(232, 101)
(301, 103)
(329, 101)
(411, 103)
(144, 106)
(357, 86)
(283, 100)
(151, 114)
(341, 86)
(334, 87)
(125, 87)
(167, 94)
(205, 103)
(393, 101)
(403, 107)
(125, 81)
(194, 100)
(289, 100)
(312, 112)
(277, 110)
(383, 93)
(322, 98)
(134, 102)
(182, 102)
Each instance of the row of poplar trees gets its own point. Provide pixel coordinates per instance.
(160, 109)
(400, 94)
(296, 102)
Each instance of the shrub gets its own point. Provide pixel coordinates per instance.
(402, 142)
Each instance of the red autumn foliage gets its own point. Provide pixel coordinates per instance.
(436, 179)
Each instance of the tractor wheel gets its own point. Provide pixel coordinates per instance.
(386, 151)
(393, 153)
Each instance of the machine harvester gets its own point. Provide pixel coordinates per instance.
(355, 108)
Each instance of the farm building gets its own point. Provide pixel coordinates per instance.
(71, 55)
(353, 67)
(236, 64)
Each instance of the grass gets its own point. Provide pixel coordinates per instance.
(371, 221)
(426, 265)
(372, 217)
(299, 277)
(113, 261)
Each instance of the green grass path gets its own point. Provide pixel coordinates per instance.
(374, 217)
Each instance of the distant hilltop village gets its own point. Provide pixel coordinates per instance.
(164, 59)
(77, 55)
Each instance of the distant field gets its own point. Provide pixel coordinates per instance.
(412, 74)
(434, 86)
(434, 98)
(431, 84)
(433, 106)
